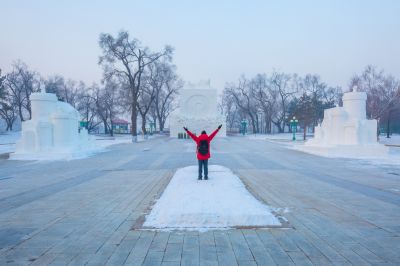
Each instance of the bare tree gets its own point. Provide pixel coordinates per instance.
(127, 59)
(2, 86)
(7, 106)
(68, 91)
(383, 93)
(166, 83)
(146, 99)
(271, 100)
(282, 89)
(110, 101)
(21, 82)
(243, 96)
(229, 108)
(265, 98)
(88, 109)
(105, 101)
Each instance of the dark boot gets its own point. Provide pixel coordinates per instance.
(200, 178)
(206, 178)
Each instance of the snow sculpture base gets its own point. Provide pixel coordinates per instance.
(221, 202)
(347, 151)
(198, 111)
(345, 131)
(53, 132)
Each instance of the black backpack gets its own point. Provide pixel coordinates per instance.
(203, 147)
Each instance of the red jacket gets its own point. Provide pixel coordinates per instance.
(203, 137)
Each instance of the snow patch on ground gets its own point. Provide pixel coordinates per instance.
(285, 137)
(100, 143)
(393, 140)
(8, 140)
(378, 154)
(221, 202)
(392, 157)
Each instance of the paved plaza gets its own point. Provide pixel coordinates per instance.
(88, 211)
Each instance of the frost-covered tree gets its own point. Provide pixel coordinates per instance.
(7, 106)
(21, 82)
(383, 94)
(127, 59)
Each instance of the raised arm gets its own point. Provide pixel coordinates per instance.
(193, 136)
(214, 133)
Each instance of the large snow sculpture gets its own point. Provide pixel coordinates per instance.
(198, 111)
(53, 132)
(346, 130)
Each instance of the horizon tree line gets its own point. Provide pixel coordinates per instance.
(270, 101)
(145, 84)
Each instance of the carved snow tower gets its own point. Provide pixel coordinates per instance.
(198, 110)
(53, 132)
(347, 130)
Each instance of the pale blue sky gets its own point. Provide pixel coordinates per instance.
(216, 40)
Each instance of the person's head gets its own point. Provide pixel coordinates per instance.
(203, 132)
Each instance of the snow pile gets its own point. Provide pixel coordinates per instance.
(218, 203)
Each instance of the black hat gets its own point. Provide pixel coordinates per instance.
(203, 132)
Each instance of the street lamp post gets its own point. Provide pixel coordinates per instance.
(151, 127)
(244, 126)
(293, 125)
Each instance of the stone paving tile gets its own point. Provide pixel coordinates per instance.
(225, 253)
(191, 250)
(239, 245)
(259, 252)
(173, 252)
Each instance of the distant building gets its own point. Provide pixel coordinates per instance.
(120, 126)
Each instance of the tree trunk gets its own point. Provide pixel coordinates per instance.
(144, 124)
(280, 129)
(388, 127)
(305, 132)
(134, 119)
(257, 124)
(155, 124)
(20, 113)
(253, 123)
(105, 127)
(161, 123)
(9, 125)
(111, 130)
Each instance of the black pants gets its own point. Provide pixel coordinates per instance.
(203, 163)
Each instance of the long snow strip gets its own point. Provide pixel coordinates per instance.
(221, 202)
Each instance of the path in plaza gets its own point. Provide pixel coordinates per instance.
(80, 212)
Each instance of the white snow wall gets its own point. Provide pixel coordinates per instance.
(198, 110)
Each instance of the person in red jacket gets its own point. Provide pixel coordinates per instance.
(203, 149)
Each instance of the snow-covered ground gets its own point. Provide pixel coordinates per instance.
(393, 140)
(218, 203)
(391, 157)
(8, 142)
(287, 137)
(278, 136)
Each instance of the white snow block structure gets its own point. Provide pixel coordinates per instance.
(345, 131)
(198, 110)
(53, 132)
